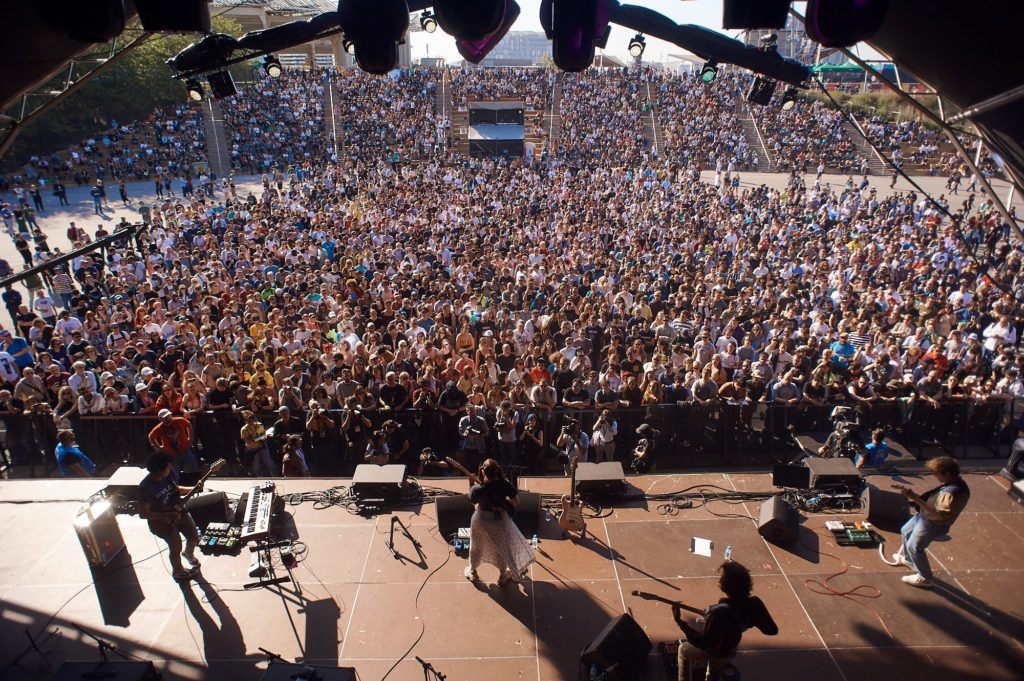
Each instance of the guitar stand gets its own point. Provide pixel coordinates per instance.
(270, 578)
(390, 543)
(429, 673)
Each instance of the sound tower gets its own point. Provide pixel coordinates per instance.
(779, 522)
(621, 647)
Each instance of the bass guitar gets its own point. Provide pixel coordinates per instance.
(571, 518)
(661, 599)
(505, 503)
(179, 508)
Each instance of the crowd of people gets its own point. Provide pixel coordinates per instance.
(602, 118)
(166, 143)
(276, 122)
(809, 135)
(531, 85)
(387, 116)
(369, 308)
(701, 122)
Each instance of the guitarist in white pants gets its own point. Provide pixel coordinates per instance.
(160, 505)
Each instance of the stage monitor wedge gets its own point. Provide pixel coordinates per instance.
(379, 482)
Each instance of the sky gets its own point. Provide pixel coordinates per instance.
(707, 13)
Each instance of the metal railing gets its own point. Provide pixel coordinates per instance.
(691, 435)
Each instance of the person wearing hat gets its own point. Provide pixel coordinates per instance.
(173, 436)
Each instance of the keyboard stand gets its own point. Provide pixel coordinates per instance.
(270, 578)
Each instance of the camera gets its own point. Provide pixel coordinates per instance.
(501, 423)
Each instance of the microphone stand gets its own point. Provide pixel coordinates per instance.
(104, 646)
(429, 673)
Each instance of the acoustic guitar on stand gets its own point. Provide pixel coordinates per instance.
(571, 518)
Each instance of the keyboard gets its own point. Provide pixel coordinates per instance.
(258, 509)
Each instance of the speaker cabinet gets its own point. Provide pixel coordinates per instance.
(379, 482)
(621, 645)
(883, 509)
(457, 511)
(605, 479)
(779, 522)
(827, 473)
(208, 507)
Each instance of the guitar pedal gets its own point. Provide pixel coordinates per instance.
(463, 533)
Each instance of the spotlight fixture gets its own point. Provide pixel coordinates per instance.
(195, 90)
(221, 84)
(427, 21)
(842, 23)
(761, 91)
(272, 66)
(180, 16)
(470, 19)
(709, 72)
(755, 13)
(575, 29)
(348, 46)
(475, 50)
(637, 45)
(375, 29)
(789, 98)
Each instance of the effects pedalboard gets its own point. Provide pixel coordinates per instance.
(852, 534)
(221, 539)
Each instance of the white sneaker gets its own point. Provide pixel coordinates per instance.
(900, 559)
(918, 581)
(471, 575)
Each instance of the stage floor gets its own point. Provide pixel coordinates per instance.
(360, 607)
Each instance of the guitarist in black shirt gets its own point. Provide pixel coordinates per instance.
(160, 505)
(715, 639)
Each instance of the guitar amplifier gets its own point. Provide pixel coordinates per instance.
(379, 482)
(826, 473)
(122, 488)
(99, 533)
(605, 479)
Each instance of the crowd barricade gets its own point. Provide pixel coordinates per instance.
(689, 434)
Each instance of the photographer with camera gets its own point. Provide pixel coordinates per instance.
(431, 466)
(474, 430)
(322, 441)
(574, 443)
(506, 419)
(603, 437)
(356, 426)
(531, 442)
(844, 440)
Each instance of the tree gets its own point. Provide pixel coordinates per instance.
(131, 89)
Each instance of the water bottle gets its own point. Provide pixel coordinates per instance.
(534, 542)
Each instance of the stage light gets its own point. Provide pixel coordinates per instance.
(427, 22)
(709, 72)
(180, 16)
(755, 13)
(221, 84)
(637, 45)
(770, 42)
(272, 66)
(761, 91)
(574, 29)
(475, 50)
(789, 98)
(375, 29)
(842, 23)
(195, 90)
(470, 19)
(348, 46)
(211, 52)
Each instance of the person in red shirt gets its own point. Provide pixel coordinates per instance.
(173, 436)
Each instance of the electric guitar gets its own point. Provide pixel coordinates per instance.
(505, 503)
(571, 517)
(179, 508)
(904, 488)
(661, 599)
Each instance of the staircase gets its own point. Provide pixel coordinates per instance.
(553, 117)
(875, 163)
(332, 118)
(218, 147)
(652, 126)
(765, 162)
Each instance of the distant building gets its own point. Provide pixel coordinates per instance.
(526, 48)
